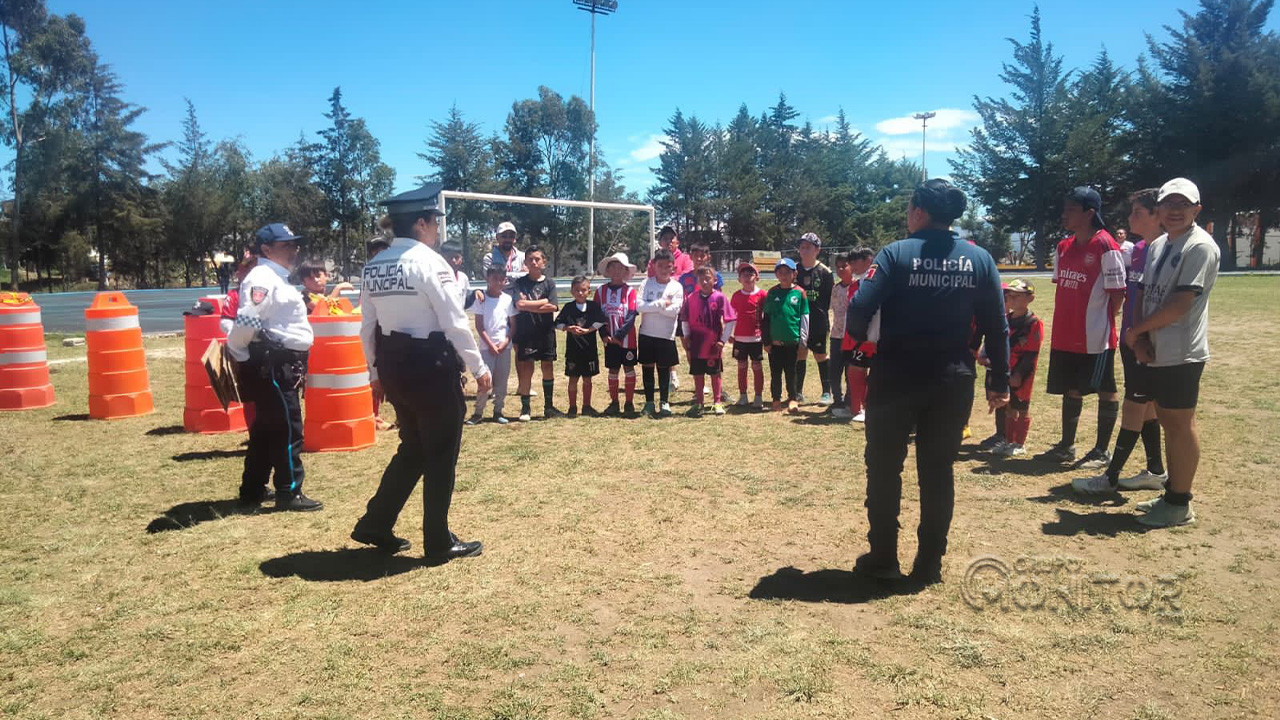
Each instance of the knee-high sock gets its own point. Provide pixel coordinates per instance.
(1124, 446)
(613, 386)
(1024, 426)
(629, 382)
(1108, 412)
(573, 393)
(648, 372)
(802, 367)
(1151, 442)
(548, 387)
(1002, 423)
(742, 378)
(1071, 408)
(857, 390)
(757, 376)
(699, 384)
(717, 384)
(664, 384)
(822, 375)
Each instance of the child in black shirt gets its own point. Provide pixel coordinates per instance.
(581, 319)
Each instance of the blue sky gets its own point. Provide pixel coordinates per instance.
(263, 71)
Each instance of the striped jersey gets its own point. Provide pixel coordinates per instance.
(619, 305)
(1086, 274)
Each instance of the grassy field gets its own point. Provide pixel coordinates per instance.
(635, 569)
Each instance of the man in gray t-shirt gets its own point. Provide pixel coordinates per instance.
(1172, 338)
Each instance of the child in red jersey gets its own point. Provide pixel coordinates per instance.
(1026, 333)
(748, 347)
(707, 320)
(858, 355)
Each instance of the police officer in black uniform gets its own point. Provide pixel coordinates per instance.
(930, 289)
(417, 341)
(270, 338)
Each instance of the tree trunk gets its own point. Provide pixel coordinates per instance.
(1221, 220)
(15, 242)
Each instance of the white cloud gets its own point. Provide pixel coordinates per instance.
(650, 149)
(947, 120)
(909, 147)
(828, 120)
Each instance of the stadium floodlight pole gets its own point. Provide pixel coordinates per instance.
(595, 7)
(924, 119)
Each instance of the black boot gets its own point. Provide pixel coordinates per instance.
(296, 502)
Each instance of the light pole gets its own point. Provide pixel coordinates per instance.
(595, 7)
(924, 118)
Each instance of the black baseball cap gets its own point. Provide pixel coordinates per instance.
(276, 232)
(1089, 199)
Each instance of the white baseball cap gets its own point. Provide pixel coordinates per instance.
(505, 227)
(1180, 186)
(603, 265)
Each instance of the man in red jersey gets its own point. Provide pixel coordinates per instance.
(1089, 273)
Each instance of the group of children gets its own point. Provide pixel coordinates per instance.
(642, 326)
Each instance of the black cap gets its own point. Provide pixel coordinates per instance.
(276, 232)
(424, 199)
(666, 229)
(1089, 199)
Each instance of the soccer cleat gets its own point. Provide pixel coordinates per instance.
(665, 410)
(1162, 514)
(968, 433)
(499, 419)
(842, 413)
(525, 417)
(1063, 454)
(590, 411)
(611, 410)
(649, 410)
(861, 417)
(1145, 480)
(718, 408)
(1095, 485)
(1094, 459)
(992, 442)
(1146, 505)
(1015, 450)
(473, 420)
(742, 400)
(550, 412)
(573, 412)
(695, 411)
(630, 409)
(826, 399)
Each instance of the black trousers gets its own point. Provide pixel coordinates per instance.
(423, 381)
(782, 364)
(937, 410)
(275, 437)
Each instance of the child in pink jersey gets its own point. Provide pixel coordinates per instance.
(707, 320)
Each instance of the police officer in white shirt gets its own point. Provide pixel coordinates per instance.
(270, 339)
(408, 298)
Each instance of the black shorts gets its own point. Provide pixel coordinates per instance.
(1137, 377)
(705, 366)
(819, 330)
(1082, 373)
(748, 350)
(1176, 387)
(858, 357)
(658, 351)
(581, 364)
(1019, 404)
(538, 347)
(616, 356)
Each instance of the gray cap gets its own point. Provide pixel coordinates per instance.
(424, 199)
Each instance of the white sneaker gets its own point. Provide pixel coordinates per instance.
(860, 417)
(843, 413)
(1145, 480)
(826, 399)
(1146, 505)
(742, 400)
(675, 380)
(1162, 514)
(1015, 450)
(1095, 485)
(525, 417)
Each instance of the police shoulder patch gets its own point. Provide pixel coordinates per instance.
(445, 277)
(257, 294)
(872, 271)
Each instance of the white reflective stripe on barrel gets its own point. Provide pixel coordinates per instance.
(344, 328)
(329, 381)
(123, 322)
(20, 358)
(29, 317)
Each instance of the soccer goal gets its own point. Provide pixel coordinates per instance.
(447, 195)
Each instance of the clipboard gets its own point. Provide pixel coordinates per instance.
(221, 368)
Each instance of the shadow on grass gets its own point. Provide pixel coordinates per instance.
(339, 565)
(1098, 524)
(78, 417)
(1026, 468)
(207, 455)
(166, 430)
(1064, 493)
(188, 515)
(833, 586)
(820, 418)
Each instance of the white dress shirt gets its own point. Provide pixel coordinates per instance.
(411, 289)
(269, 304)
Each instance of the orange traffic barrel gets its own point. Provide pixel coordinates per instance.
(339, 402)
(118, 382)
(203, 412)
(24, 364)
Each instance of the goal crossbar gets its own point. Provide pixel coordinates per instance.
(446, 195)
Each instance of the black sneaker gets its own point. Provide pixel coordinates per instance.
(458, 549)
(611, 410)
(991, 442)
(590, 411)
(630, 409)
(1059, 453)
(573, 412)
(880, 568)
(386, 543)
(1094, 459)
(296, 502)
(550, 412)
